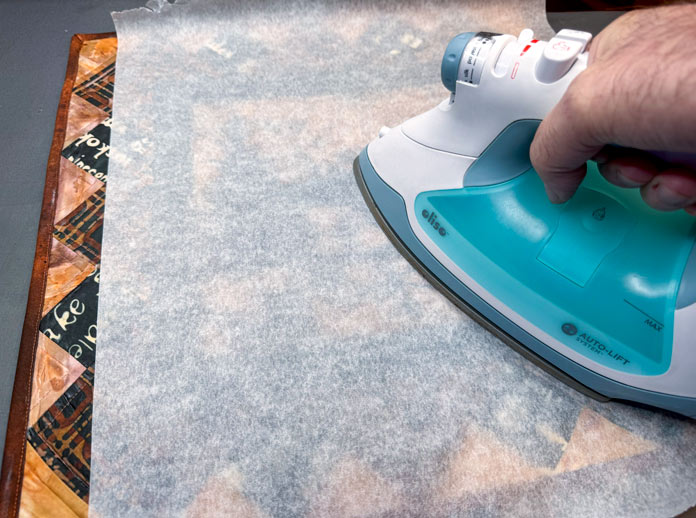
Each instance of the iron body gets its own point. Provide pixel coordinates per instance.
(599, 291)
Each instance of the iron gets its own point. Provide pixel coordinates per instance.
(600, 291)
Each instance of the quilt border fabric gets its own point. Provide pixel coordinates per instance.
(89, 83)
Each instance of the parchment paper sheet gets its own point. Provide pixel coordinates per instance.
(263, 350)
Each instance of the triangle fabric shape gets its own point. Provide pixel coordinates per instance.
(596, 440)
(353, 489)
(483, 463)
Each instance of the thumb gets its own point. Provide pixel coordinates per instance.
(565, 140)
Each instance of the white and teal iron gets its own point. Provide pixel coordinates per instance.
(600, 290)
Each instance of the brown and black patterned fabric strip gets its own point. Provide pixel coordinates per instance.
(46, 466)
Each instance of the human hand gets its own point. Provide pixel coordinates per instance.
(638, 92)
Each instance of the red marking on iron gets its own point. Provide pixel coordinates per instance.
(534, 41)
(514, 70)
(561, 46)
(525, 49)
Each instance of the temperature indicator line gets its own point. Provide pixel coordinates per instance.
(644, 313)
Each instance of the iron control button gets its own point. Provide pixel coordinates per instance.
(590, 226)
(594, 221)
(560, 54)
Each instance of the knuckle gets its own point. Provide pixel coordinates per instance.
(577, 100)
(539, 151)
(587, 104)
